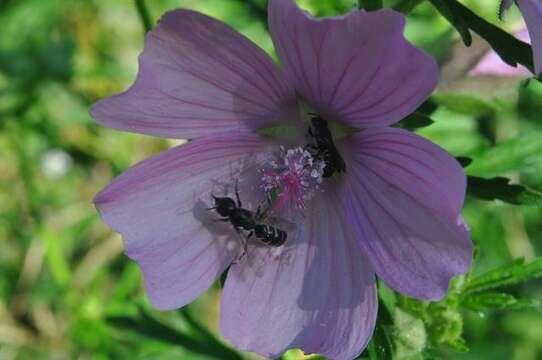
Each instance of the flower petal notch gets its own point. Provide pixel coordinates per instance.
(403, 197)
(358, 68)
(197, 76)
(160, 208)
(318, 295)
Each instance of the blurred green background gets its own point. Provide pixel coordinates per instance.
(67, 290)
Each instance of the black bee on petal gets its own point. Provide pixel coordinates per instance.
(324, 148)
(246, 220)
(270, 235)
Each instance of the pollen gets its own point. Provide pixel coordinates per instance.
(291, 179)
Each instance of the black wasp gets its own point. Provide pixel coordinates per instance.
(324, 147)
(243, 219)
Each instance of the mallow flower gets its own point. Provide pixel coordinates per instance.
(393, 212)
(532, 14)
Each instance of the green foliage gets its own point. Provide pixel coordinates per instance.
(499, 189)
(144, 14)
(512, 273)
(415, 121)
(499, 301)
(516, 153)
(464, 104)
(412, 329)
(201, 342)
(406, 6)
(445, 8)
(510, 49)
(370, 5)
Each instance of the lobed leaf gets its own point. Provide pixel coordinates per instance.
(511, 50)
(512, 273)
(464, 161)
(498, 188)
(499, 301)
(511, 155)
(415, 121)
(453, 17)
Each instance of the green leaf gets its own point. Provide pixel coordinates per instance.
(370, 5)
(428, 107)
(414, 121)
(498, 188)
(464, 104)
(201, 330)
(478, 302)
(457, 21)
(511, 50)
(147, 326)
(381, 345)
(530, 101)
(387, 297)
(458, 345)
(464, 161)
(406, 6)
(511, 155)
(512, 273)
(56, 259)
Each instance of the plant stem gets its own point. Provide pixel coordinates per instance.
(144, 14)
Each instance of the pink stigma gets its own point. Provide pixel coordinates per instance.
(292, 179)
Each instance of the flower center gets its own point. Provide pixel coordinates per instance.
(292, 179)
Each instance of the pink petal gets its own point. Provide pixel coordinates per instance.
(357, 67)
(532, 13)
(492, 64)
(159, 207)
(197, 76)
(403, 196)
(318, 294)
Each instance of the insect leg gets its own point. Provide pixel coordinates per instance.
(221, 220)
(244, 242)
(237, 193)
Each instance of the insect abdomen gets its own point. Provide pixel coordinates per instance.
(270, 235)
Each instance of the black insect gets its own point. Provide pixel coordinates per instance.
(324, 147)
(243, 219)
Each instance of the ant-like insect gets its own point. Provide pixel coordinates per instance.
(243, 219)
(324, 147)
